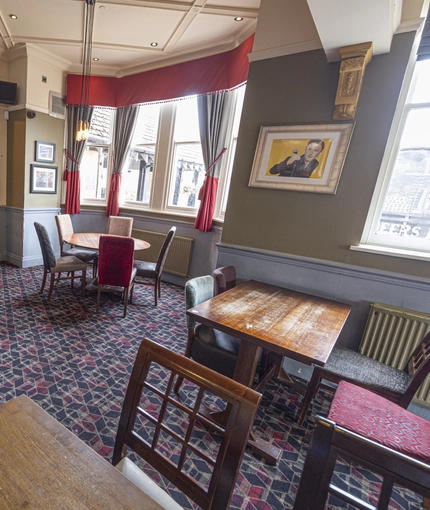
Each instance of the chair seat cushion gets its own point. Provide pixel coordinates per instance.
(85, 255)
(68, 263)
(362, 369)
(372, 416)
(145, 268)
(129, 469)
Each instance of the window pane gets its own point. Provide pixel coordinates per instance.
(100, 128)
(406, 209)
(188, 170)
(187, 121)
(188, 175)
(421, 90)
(94, 168)
(137, 174)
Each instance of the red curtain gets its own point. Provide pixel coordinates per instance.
(112, 208)
(73, 192)
(207, 206)
(224, 71)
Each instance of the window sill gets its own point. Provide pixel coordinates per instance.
(391, 252)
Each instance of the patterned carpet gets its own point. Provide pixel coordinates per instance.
(75, 364)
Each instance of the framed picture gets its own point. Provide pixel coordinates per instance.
(305, 157)
(45, 152)
(43, 179)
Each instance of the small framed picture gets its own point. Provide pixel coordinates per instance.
(43, 179)
(45, 152)
(307, 157)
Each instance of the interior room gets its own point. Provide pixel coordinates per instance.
(342, 80)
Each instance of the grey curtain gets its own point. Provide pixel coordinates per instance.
(125, 122)
(74, 152)
(214, 114)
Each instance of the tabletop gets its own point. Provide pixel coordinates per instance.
(291, 323)
(91, 241)
(45, 466)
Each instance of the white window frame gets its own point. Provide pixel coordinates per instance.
(390, 245)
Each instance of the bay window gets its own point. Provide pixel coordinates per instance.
(165, 168)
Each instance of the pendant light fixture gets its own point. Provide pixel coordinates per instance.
(83, 124)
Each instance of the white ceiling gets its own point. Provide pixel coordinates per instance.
(124, 29)
(186, 29)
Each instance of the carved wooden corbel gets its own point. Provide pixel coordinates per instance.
(354, 61)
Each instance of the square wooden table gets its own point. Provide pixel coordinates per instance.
(45, 466)
(288, 323)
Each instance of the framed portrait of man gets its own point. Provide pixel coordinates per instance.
(301, 157)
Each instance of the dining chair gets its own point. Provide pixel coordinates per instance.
(208, 346)
(55, 266)
(115, 271)
(224, 279)
(374, 433)
(65, 228)
(119, 226)
(200, 457)
(149, 273)
(394, 384)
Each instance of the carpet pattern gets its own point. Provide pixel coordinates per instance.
(75, 364)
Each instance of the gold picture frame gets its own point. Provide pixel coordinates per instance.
(305, 157)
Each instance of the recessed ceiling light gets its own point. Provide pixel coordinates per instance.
(96, 59)
(13, 16)
(154, 44)
(238, 18)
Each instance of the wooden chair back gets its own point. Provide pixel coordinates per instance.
(419, 367)
(173, 435)
(224, 279)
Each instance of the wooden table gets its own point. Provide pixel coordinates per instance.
(91, 241)
(286, 322)
(45, 466)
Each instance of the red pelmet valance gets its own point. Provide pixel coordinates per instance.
(201, 76)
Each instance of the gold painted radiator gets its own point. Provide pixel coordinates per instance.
(391, 335)
(178, 259)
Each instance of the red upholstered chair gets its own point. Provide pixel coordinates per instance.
(224, 279)
(116, 272)
(374, 432)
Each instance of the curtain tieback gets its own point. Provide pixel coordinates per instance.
(69, 156)
(207, 172)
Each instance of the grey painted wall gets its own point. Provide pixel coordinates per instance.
(301, 88)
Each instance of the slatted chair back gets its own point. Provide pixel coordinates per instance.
(201, 457)
(120, 226)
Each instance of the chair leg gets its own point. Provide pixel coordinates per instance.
(45, 272)
(125, 301)
(131, 289)
(72, 279)
(317, 471)
(84, 282)
(99, 291)
(51, 286)
(187, 354)
(309, 395)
